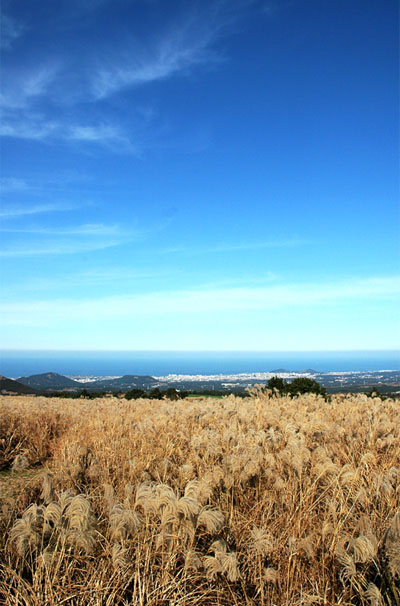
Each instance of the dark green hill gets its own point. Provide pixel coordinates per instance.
(50, 381)
(124, 383)
(11, 386)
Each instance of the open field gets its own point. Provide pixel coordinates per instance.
(259, 501)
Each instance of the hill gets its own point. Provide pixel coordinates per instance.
(124, 383)
(11, 386)
(50, 381)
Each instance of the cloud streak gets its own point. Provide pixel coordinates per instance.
(40, 129)
(91, 278)
(33, 98)
(12, 184)
(89, 229)
(183, 47)
(57, 248)
(221, 248)
(11, 30)
(21, 210)
(22, 88)
(215, 301)
(70, 240)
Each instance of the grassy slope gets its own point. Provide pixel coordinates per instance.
(233, 501)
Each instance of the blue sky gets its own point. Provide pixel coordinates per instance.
(199, 175)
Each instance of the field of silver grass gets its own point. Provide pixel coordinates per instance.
(265, 500)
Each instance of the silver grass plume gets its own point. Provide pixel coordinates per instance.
(193, 560)
(109, 496)
(262, 541)
(52, 516)
(368, 459)
(26, 532)
(47, 493)
(165, 540)
(187, 530)
(119, 556)
(188, 507)
(373, 595)
(364, 549)
(327, 531)
(279, 484)
(384, 484)
(81, 532)
(49, 558)
(186, 471)
(199, 490)
(172, 523)
(306, 546)
(325, 467)
(219, 546)
(348, 476)
(230, 566)
(349, 571)
(78, 513)
(270, 575)
(212, 566)
(20, 463)
(124, 522)
(361, 497)
(392, 545)
(64, 500)
(164, 496)
(211, 519)
(223, 562)
(144, 497)
(128, 494)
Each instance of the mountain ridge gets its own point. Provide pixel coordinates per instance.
(49, 380)
(11, 386)
(53, 381)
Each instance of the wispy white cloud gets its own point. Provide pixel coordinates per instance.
(42, 184)
(10, 30)
(221, 248)
(36, 127)
(22, 88)
(102, 132)
(12, 184)
(89, 229)
(57, 247)
(185, 45)
(70, 239)
(94, 277)
(189, 302)
(33, 98)
(28, 128)
(19, 210)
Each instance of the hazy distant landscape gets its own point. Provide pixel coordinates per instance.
(382, 381)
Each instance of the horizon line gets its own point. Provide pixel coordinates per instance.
(11, 350)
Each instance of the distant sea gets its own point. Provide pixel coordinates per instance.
(115, 363)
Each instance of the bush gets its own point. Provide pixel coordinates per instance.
(300, 385)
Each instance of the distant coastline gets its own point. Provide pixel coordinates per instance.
(385, 382)
(14, 363)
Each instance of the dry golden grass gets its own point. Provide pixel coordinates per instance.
(259, 501)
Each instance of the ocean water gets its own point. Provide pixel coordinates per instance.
(105, 363)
